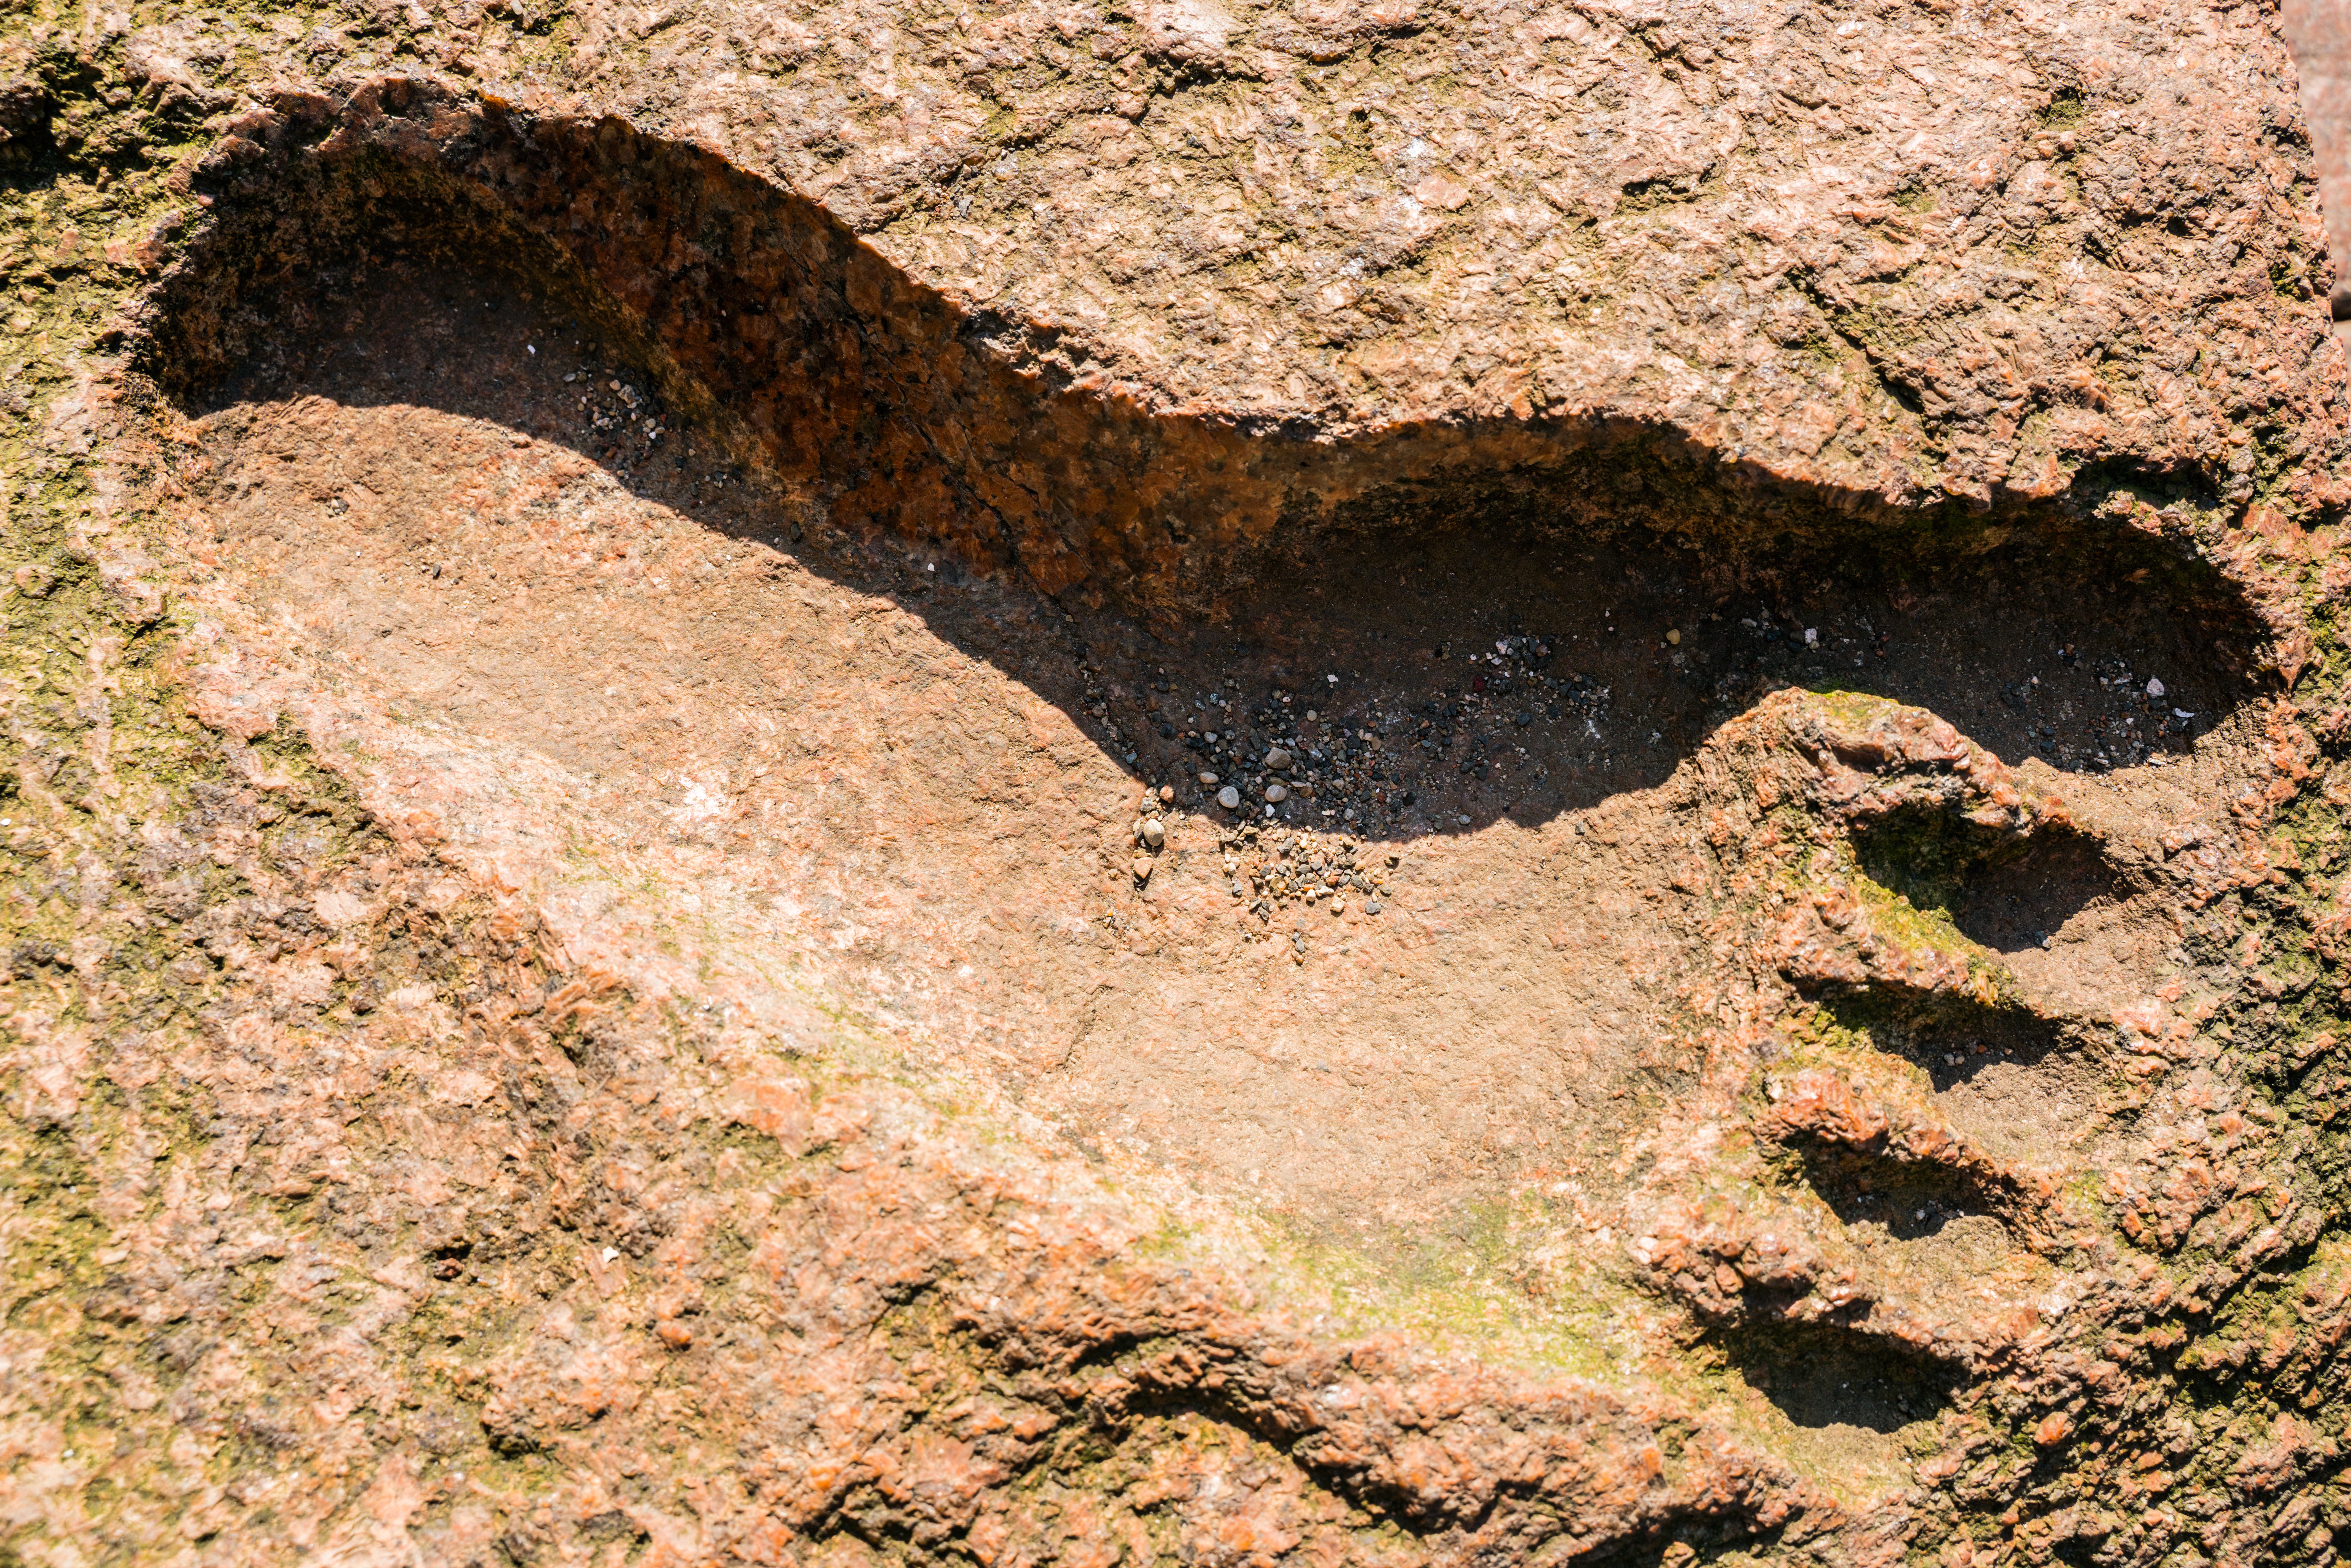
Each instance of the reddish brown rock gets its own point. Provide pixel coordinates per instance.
(597, 599)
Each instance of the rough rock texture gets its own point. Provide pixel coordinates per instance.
(2320, 34)
(623, 627)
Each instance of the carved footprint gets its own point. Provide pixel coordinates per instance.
(652, 620)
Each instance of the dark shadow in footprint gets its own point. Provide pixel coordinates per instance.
(2018, 1086)
(1690, 1544)
(1909, 1200)
(2007, 890)
(1823, 1375)
(1494, 598)
(1954, 1037)
(2023, 901)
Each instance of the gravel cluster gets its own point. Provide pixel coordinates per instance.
(1298, 784)
(1367, 762)
(1277, 870)
(620, 424)
(2130, 717)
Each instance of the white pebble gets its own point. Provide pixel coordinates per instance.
(1277, 793)
(1207, 778)
(1229, 798)
(1154, 833)
(2154, 687)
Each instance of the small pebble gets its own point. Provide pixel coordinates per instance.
(2154, 687)
(1167, 794)
(1209, 779)
(1276, 794)
(1277, 759)
(1229, 798)
(1673, 635)
(1373, 907)
(1142, 868)
(1154, 833)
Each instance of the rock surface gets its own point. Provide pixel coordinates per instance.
(631, 629)
(2320, 34)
